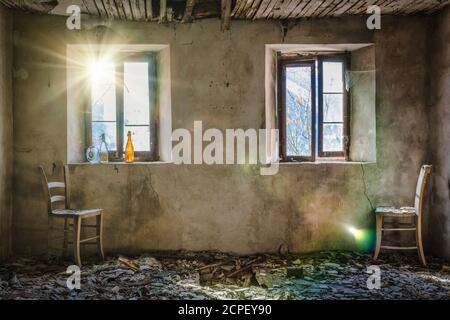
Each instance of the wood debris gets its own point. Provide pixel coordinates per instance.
(128, 263)
(206, 275)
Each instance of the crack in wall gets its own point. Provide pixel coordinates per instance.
(154, 196)
(365, 186)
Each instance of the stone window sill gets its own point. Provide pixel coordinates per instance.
(327, 163)
(281, 163)
(118, 163)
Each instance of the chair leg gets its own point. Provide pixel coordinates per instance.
(76, 240)
(49, 235)
(379, 226)
(66, 240)
(419, 242)
(100, 235)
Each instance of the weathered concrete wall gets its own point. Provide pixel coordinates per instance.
(219, 77)
(440, 134)
(363, 105)
(6, 132)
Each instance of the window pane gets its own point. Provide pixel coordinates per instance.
(140, 137)
(333, 77)
(333, 108)
(333, 137)
(136, 94)
(103, 92)
(109, 129)
(298, 111)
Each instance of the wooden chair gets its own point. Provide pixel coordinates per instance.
(62, 200)
(415, 212)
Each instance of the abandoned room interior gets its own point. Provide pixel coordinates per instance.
(224, 149)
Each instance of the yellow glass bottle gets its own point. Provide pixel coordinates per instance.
(129, 150)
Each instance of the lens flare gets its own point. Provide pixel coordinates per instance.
(358, 234)
(364, 238)
(98, 70)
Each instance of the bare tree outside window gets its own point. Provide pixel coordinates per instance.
(298, 111)
(300, 130)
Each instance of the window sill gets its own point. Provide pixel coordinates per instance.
(305, 163)
(118, 163)
(342, 162)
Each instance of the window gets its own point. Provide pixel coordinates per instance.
(313, 112)
(122, 99)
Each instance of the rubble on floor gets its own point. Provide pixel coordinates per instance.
(185, 275)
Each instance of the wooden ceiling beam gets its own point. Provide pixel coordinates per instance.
(100, 8)
(148, 10)
(238, 8)
(346, 5)
(162, 11)
(30, 5)
(225, 13)
(362, 6)
(135, 10)
(313, 6)
(127, 9)
(330, 8)
(91, 7)
(299, 8)
(10, 4)
(120, 12)
(262, 8)
(321, 8)
(278, 9)
(253, 8)
(183, 10)
(412, 8)
(245, 9)
(440, 4)
(111, 9)
(273, 4)
(187, 17)
(143, 9)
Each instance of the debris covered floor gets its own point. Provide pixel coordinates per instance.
(184, 275)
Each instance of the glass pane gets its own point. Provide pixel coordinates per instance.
(333, 137)
(333, 77)
(298, 111)
(103, 92)
(109, 129)
(333, 108)
(136, 94)
(140, 137)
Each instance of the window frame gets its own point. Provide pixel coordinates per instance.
(119, 154)
(282, 64)
(344, 59)
(317, 110)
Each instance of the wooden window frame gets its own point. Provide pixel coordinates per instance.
(282, 64)
(343, 58)
(317, 110)
(119, 154)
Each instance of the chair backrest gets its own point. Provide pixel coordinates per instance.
(53, 198)
(425, 171)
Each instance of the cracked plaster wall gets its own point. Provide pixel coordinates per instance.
(6, 133)
(218, 77)
(440, 134)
